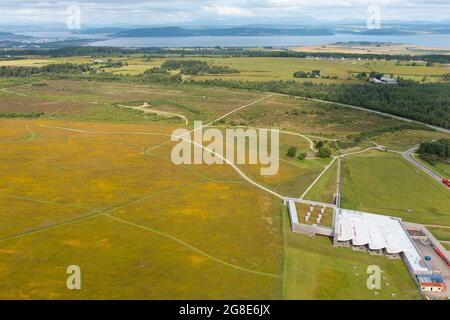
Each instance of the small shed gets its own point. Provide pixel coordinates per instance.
(310, 155)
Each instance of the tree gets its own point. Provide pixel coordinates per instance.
(435, 151)
(292, 151)
(315, 73)
(324, 153)
(319, 144)
(300, 74)
(302, 156)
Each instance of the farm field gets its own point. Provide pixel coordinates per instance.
(272, 68)
(265, 68)
(107, 219)
(376, 48)
(412, 195)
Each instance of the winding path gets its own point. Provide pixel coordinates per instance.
(145, 109)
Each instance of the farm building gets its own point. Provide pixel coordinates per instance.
(384, 80)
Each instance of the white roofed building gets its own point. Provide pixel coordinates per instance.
(378, 234)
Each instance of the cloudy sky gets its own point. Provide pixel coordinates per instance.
(177, 12)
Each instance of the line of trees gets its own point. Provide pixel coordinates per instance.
(196, 67)
(161, 75)
(21, 114)
(218, 51)
(435, 151)
(63, 68)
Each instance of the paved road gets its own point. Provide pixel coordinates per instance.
(408, 155)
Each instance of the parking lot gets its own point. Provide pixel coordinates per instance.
(436, 263)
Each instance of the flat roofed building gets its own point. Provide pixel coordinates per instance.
(432, 287)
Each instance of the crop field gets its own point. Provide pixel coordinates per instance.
(138, 226)
(412, 195)
(266, 68)
(378, 48)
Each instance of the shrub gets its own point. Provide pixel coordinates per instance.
(292, 151)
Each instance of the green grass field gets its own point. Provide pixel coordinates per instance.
(384, 183)
(442, 234)
(326, 187)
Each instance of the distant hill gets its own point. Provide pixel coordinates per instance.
(378, 32)
(236, 31)
(12, 36)
(105, 30)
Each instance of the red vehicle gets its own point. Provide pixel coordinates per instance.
(446, 182)
(441, 255)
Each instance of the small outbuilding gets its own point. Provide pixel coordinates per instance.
(432, 287)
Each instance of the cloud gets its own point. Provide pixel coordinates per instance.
(229, 11)
(173, 12)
